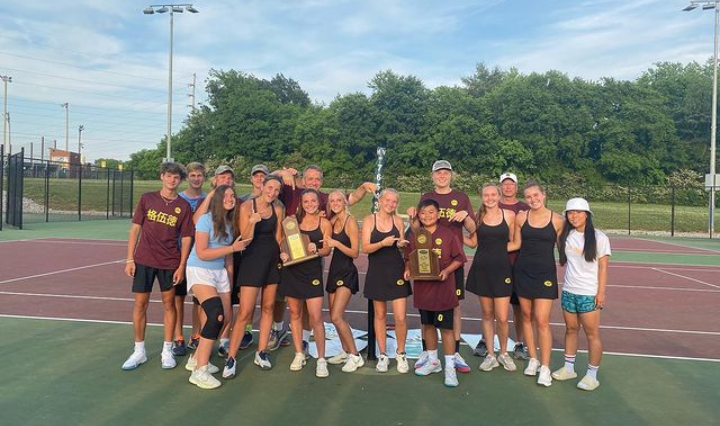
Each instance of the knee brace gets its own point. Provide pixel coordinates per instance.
(215, 317)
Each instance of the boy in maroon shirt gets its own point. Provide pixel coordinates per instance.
(161, 218)
(436, 300)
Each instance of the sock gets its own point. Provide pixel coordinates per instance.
(570, 363)
(424, 346)
(432, 354)
(140, 346)
(277, 326)
(306, 335)
(167, 346)
(248, 328)
(450, 361)
(225, 342)
(457, 346)
(592, 371)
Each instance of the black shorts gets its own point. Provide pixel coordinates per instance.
(181, 289)
(514, 299)
(460, 283)
(145, 278)
(438, 319)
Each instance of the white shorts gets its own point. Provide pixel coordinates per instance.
(210, 277)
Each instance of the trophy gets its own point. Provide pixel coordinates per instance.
(295, 243)
(424, 262)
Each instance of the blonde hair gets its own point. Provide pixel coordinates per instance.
(483, 210)
(342, 196)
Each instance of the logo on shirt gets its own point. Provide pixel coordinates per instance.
(438, 241)
(400, 282)
(508, 281)
(340, 282)
(548, 283)
(160, 217)
(177, 210)
(316, 282)
(454, 203)
(458, 292)
(440, 317)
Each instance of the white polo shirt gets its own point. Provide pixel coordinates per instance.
(581, 276)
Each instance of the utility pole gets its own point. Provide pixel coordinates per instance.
(6, 140)
(67, 127)
(191, 95)
(80, 130)
(42, 148)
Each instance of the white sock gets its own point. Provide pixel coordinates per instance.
(592, 371)
(167, 346)
(306, 335)
(432, 355)
(277, 326)
(224, 342)
(450, 361)
(140, 346)
(570, 363)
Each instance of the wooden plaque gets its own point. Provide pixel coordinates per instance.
(424, 262)
(295, 242)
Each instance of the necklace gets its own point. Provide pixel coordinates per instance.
(168, 201)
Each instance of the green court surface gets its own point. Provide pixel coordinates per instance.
(68, 373)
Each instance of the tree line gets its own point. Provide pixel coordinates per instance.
(544, 125)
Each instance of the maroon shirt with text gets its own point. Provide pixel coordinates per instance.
(162, 225)
(291, 199)
(438, 295)
(515, 208)
(450, 203)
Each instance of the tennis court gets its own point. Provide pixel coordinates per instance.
(65, 307)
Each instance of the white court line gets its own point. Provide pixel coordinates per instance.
(673, 266)
(647, 287)
(677, 245)
(85, 243)
(463, 343)
(687, 278)
(664, 251)
(61, 271)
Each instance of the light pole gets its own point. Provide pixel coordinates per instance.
(67, 127)
(172, 8)
(6, 141)
(80, 130)
(714, 5)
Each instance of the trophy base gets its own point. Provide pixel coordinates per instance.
(300, 260)
(426, 278)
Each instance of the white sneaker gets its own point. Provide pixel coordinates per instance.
(544, 378)
(353, 363)
(202, 378)
(382, 364)
(136, 359)
(532, 367)
(588, 383)
(424, 358)
(402, 364)
(229, 370)
(563, 373)
(167, 360)
(262, 360)
(338, 359)
(507, 362)
(430, 367)
(321, 368)
(191, 364)
(298, 362)
(451, 379)
(489, 363)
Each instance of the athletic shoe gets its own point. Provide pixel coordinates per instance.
(338, 359)
(481, 349)
(223, 349)
(306, 349)
(563, 373)
(136, 359)
(167, 360)
(382, 364)
(532, 367)
(451, 379)
(191, 365)
(179, 348)
(229, 370)
(276, 337)
(544, 378)
(489, 363)
(298, 362)
(321, 368)
(202, 378)
(262, 360)
(460, 365)
(588, 383)
(520, 351)
(422, 360)
(247, 340)
(429, 368)
(285, 341)
(353, 363)
(194, 342)
(402, 364)
(507, 362)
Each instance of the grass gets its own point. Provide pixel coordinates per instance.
(608, 215)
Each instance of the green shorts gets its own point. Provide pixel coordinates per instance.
(577, 303)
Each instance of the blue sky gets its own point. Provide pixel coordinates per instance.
(109, 61)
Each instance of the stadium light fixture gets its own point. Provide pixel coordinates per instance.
(191, 9)
(148, 11)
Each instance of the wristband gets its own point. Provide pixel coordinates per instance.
(130, 261)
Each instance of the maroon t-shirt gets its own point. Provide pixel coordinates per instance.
(291, 199)
(438, 295)
(451, 203)
(162, 225)
(515, 208)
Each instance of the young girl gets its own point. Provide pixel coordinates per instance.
(208, 268)
(343, 279)
(585, 252)
(536, 232)
(382, 234)
(302, 282)
(490, 275)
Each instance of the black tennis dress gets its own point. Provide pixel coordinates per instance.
(384, 280)
(491, 273)
(343, 272)
(304, 280)
(535, 272)
(261, 258)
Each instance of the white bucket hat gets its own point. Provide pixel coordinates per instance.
(579, 204)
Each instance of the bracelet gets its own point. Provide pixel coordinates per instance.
(130, 261)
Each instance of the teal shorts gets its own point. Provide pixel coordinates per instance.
(576, 303)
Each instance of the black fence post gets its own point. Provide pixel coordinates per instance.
(672, 211)
(80, 193)
(47, 191)
(131, 208)
(113, 192)
(2, 182)
(628, 200)
(107, 195)
(122, 187)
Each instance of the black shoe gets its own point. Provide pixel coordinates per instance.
(179, 348)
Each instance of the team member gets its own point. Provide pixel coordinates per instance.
(509, 202)
(301, 283)
(208, 270)
(382, 234)
(162, 218)
(193, 194)
(343, 279)
(260, 222)
(585, 253)
(536, 232)
(455, 213)
(437, 299)
(490, 275)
